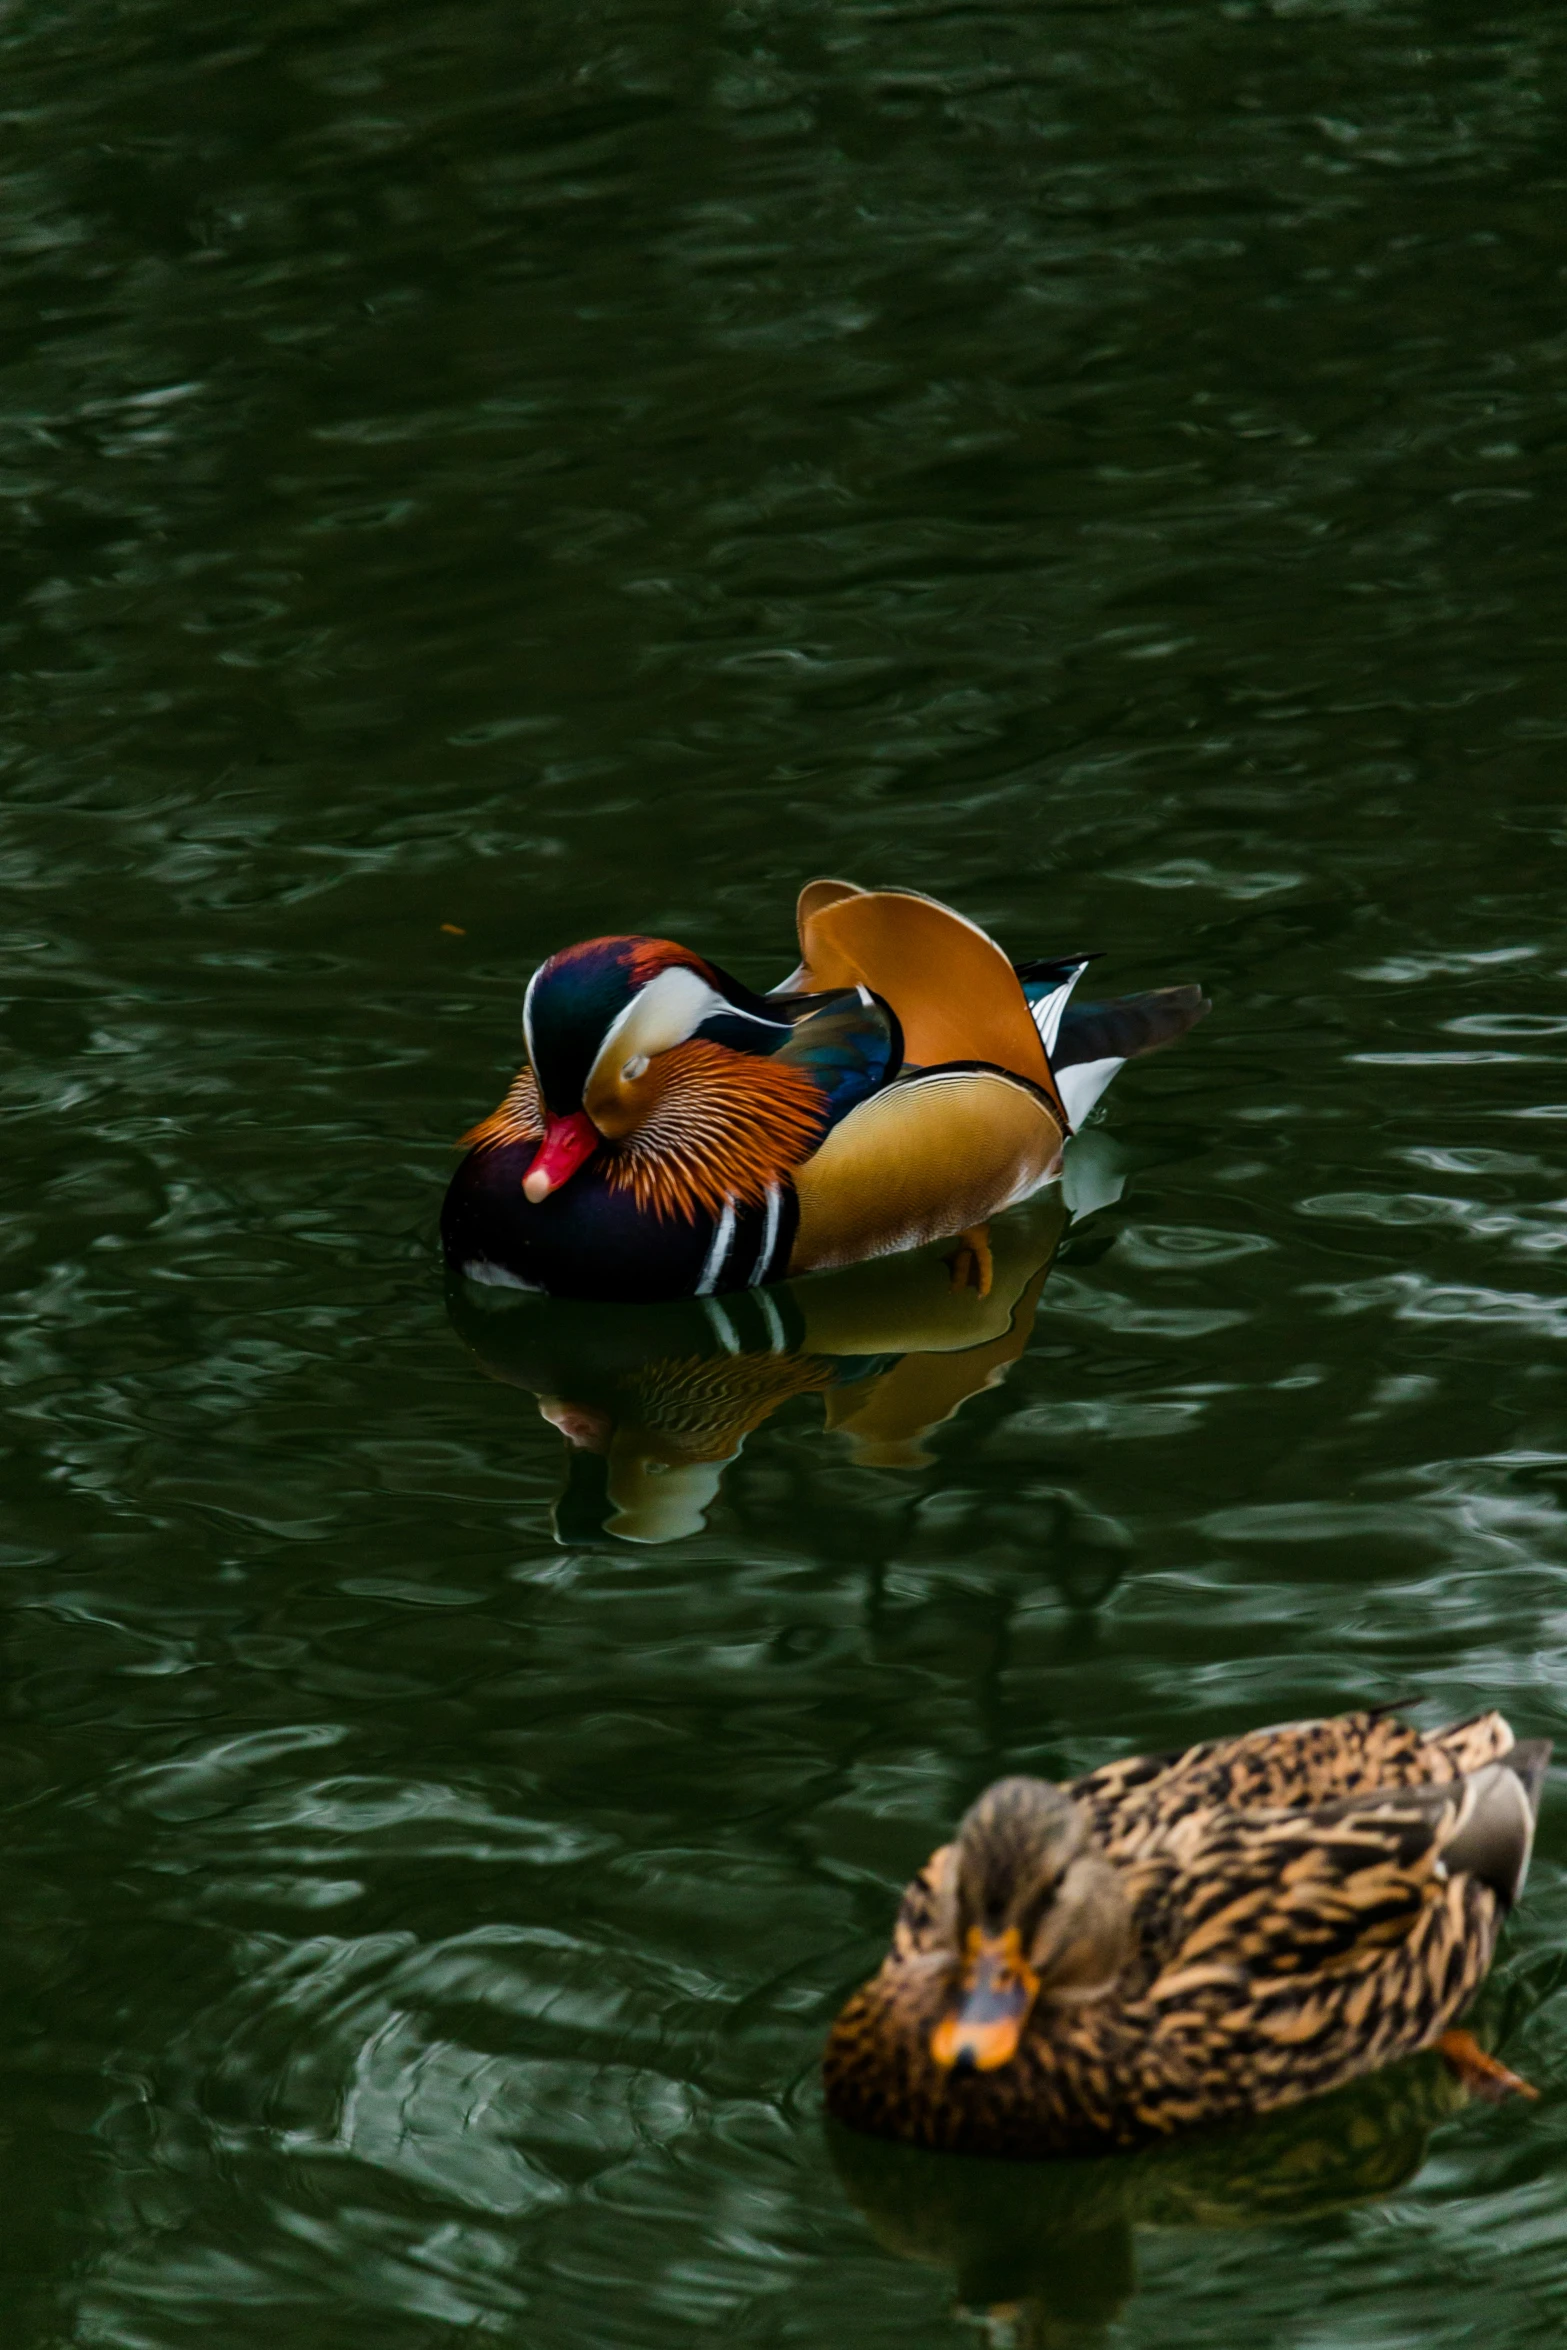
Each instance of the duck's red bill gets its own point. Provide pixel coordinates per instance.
(567, 1144)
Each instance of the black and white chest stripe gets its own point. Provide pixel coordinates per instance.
(749, 1245)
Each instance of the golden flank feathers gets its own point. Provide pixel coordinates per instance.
(1193, 1938)
(930, 1156)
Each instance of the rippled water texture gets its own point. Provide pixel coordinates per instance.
(476, 476)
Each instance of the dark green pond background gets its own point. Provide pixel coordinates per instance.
(546, 470)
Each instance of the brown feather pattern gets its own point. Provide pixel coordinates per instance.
(1294, 1927)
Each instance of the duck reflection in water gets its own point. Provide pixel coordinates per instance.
(1044, 2254)
(654, 1401)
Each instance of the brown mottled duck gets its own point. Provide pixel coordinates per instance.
(1193, 1938)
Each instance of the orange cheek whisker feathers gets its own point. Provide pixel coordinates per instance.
(520, 1117)
(721, 1126)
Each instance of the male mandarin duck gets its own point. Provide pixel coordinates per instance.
(675, 1135)
(1193, 1938)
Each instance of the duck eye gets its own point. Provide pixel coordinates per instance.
(634, 1068)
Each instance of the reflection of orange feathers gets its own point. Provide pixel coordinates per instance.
(886, 1418)
(721, 1126)
(702, 1409)
(517, 1120)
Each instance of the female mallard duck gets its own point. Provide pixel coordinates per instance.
(674, 1135)
(1192, 1938)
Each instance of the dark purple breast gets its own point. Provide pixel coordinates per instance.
(590, 1239)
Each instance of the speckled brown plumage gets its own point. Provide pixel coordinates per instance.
(1295, 1908)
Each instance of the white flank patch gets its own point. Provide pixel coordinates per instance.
(1081, 1086)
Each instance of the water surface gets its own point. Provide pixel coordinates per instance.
(475, 478)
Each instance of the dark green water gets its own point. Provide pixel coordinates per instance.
(553, 471)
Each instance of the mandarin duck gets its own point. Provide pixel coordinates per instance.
(1193, 1938)
(674, 1134)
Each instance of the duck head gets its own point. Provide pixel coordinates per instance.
(641, 1048)
(1029, 1911)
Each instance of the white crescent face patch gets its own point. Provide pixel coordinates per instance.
(670, 1008)
(662, 1014)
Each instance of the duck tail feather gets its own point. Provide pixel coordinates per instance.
(1530, 1759)
(1394, 1705)
(1494, 1835)
(1126, 1026)
(1050, 970)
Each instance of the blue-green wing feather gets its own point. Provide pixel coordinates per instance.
(851, 1047)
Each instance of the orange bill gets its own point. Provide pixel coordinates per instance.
(997, 1991)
